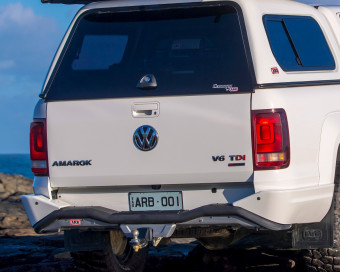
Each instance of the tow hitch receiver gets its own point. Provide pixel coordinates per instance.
(143, 234)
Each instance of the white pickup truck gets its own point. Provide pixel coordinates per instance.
(218, 120)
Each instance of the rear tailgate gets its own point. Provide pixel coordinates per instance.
(194, 133)
(189, 83)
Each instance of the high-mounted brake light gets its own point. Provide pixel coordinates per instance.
(271, 146)
(38, 147)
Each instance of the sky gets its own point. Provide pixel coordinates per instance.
(30, 33)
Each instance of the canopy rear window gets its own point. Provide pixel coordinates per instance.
(187, 51)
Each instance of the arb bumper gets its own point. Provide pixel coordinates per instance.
(273, 210)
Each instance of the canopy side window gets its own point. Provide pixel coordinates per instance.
(298, 43)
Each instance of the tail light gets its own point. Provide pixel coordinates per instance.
(38, 147)
(270, 139)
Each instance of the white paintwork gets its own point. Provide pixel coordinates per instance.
(38, 206)
(291, 206)
(332, 15)
(191, 130)
(330, 139)
(306, 113)
(42, 186)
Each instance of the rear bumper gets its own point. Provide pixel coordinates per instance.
(75, 216)
(273, 210)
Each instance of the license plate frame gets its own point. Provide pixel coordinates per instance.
(156, 201)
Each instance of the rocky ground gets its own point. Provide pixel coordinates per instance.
(21, 249)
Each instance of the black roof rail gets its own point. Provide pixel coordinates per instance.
(70, 2)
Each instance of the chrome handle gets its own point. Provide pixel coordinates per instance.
(145, 109)
(140, 113)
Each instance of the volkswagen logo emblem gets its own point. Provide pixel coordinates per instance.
(145, 138)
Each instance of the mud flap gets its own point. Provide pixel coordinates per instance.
(315, 235)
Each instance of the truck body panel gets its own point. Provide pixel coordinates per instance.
(193, 131)
(306, 117)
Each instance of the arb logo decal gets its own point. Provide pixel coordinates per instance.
(275, 70)
(75, 222)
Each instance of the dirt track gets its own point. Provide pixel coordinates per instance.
(23, 250)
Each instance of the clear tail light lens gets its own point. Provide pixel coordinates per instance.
(38, 147)
(271, 146)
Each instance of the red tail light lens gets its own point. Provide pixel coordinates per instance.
(38, 147)
(270, 139)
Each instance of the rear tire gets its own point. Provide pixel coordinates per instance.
(117, 256)
(120, 256)
(327, 259)
(216, 243)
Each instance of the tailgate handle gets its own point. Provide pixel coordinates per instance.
(145, 109)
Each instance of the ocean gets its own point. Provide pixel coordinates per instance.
(16, 164)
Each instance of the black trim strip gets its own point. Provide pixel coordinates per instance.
(155, 217)
(237, 164)
(298, 84)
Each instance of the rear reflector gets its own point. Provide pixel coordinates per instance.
(270, 139)
(38, 147)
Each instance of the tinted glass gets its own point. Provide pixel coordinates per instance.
(310, 42)
(280, 44)
(298, 43)
(196, 51)
(100, 52)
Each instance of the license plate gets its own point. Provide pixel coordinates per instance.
(160, 201)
